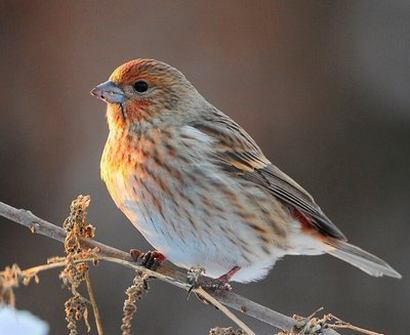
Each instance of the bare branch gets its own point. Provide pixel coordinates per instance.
(167, 273)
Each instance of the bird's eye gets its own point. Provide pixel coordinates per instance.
(141, 86)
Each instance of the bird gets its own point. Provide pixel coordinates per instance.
(198, 187)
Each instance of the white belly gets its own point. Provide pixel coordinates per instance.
(194, 235)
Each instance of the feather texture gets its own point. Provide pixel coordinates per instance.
(239, 155)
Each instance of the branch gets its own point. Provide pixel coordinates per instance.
(166, 273)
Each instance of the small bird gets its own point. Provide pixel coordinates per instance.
(198, 187)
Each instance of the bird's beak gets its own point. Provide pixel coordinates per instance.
(109, 92)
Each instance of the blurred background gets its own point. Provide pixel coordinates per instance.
(323, 87)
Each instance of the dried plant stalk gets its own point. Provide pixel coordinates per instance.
(75, 310)
(226, 331)
(134, 292)
(74, 273)
(314, 326)
(11, 278)
(96, 311)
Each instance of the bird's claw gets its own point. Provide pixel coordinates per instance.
(152, 260)
(196, 278)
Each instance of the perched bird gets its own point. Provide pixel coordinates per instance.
(198, 187)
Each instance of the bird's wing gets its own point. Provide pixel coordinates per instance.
(237, 153)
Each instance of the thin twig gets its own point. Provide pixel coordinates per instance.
(355, 328)
(202, 293)
(165, 273)
(340, 324)
(30, 272)
(97, 317)
(44, 267)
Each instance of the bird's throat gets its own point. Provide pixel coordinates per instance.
(126, 115)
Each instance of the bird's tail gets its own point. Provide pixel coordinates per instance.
(361, 259)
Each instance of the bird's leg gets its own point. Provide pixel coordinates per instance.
(197, 279)
(152, 260)
(227, 276)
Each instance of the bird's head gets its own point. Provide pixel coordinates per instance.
(146, 90)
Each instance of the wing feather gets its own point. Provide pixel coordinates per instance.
(237, 153)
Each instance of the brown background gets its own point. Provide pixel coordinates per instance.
(323, 86)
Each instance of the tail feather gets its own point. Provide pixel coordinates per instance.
(361, 259)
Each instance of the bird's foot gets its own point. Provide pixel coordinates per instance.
(227, 276)
(196, 278)
(152, 260)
